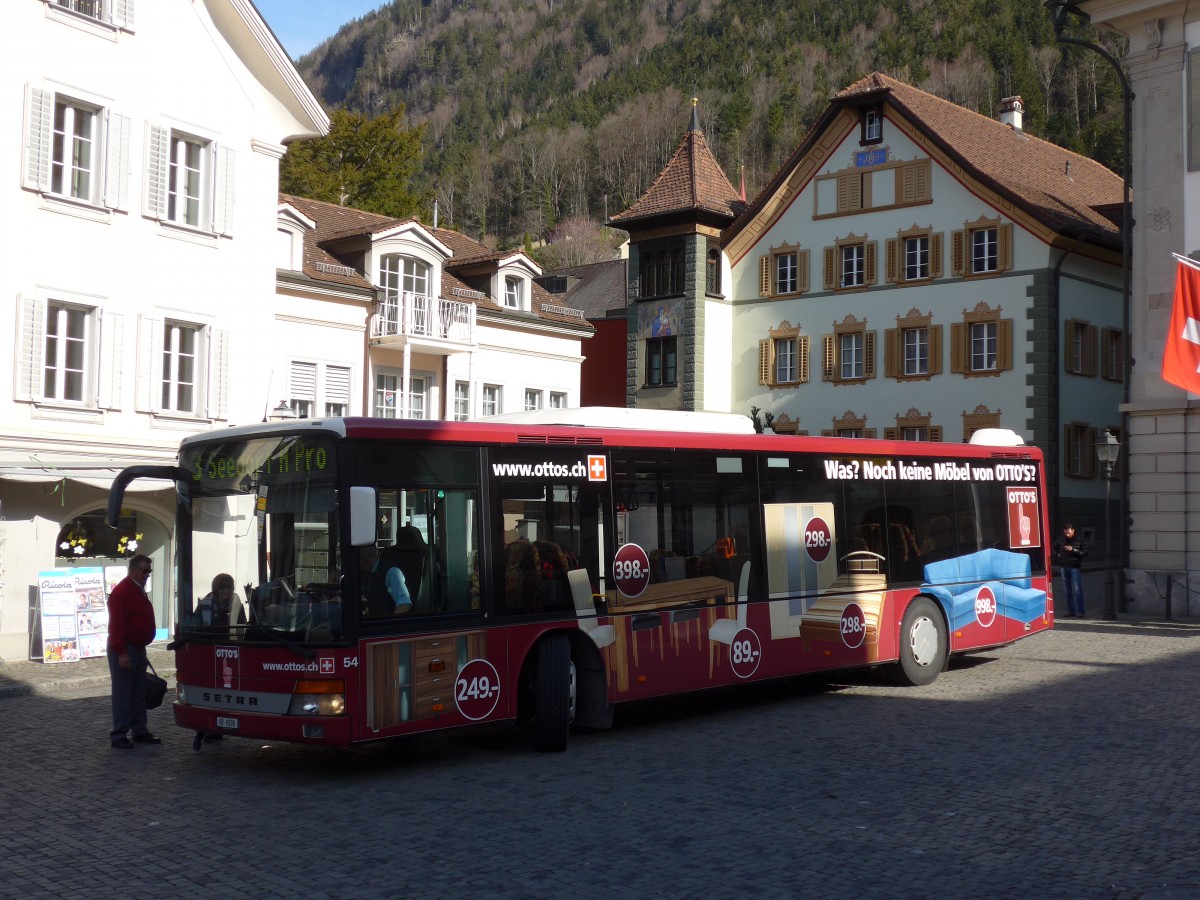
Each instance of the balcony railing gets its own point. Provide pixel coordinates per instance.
(416, 315)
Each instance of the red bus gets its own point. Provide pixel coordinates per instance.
(554, 571)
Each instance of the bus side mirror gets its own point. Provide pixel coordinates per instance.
(362, 516)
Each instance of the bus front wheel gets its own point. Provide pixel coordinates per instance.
(554, 695)
(923, 644)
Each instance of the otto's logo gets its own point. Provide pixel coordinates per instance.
(226, 662)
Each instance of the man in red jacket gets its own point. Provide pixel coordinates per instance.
(130, 630)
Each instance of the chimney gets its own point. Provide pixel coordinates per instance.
(1011, 110)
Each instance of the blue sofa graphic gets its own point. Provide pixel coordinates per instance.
(955, 582)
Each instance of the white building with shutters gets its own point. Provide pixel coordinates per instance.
(140, 244)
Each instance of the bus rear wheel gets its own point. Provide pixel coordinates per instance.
(923, 644)
(554, 695)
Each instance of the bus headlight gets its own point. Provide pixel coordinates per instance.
(180, 692)
(318, 698)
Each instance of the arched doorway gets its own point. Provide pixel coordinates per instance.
(86, 541)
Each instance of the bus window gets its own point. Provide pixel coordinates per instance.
(694, 514)
(550, 521)
(428, 525)
(430, 536)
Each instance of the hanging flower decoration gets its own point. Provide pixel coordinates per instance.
(76, 543)
(128, 543)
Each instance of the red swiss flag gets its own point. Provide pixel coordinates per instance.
(1181, 356)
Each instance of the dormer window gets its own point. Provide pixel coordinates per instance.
(514, 292)
(403, 274)
(290, 252)
(872, 126)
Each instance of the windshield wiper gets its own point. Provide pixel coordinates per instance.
(302, 652)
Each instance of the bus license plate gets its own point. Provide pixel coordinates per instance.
(226, 722)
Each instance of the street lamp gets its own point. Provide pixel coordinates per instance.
(1107, 450)
(1060, 10)
(282, 412)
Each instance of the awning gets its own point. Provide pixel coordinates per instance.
(95, 476)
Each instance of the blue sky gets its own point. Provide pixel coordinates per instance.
(302, 24)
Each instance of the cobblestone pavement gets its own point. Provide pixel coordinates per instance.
(1063, 766)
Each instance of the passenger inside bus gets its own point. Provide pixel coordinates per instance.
(384, 591)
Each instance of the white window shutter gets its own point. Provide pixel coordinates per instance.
(112, 340)
(149, 369)
(158, 152)
(31, 337)
(223, 190)
(122, 13)
(218, 374)
(39, 125)
(337, 385)
(302, 381)
(116, 162)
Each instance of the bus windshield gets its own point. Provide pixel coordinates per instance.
(259, 551)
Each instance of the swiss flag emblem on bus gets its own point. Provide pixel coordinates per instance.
(597, 470)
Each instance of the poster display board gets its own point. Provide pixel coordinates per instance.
(74, 612)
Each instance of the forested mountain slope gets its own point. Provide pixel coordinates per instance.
(539, 110)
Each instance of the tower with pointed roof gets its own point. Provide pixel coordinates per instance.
(675, 298)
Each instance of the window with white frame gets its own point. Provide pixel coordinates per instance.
(66, 358)
(916, 258)
(183, 367)
(850, 263)
(302, 389)
(185, 181)
(387, 395)
(785, 273)
(984, 250)
(337, 391)
(404, 274)
(290, 250)
(913, 349)
(533, 399)
(93, 9)
(783, 356)
(418, 397)
(848, 355)
(558, 400)
(872, 127)
(851, 355)
(983, 346)
(983, 247)
(182, 345)
(115, 13)
(190, 180)
(914, 426)
(76, 149)
(317, 386)
(849, 425)
(406, 284)
(853, 265)
(462, 401)
(491, 400)
(982, 342)
(73, 158)
(69, 352)
(514, 293)
(390, 396)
